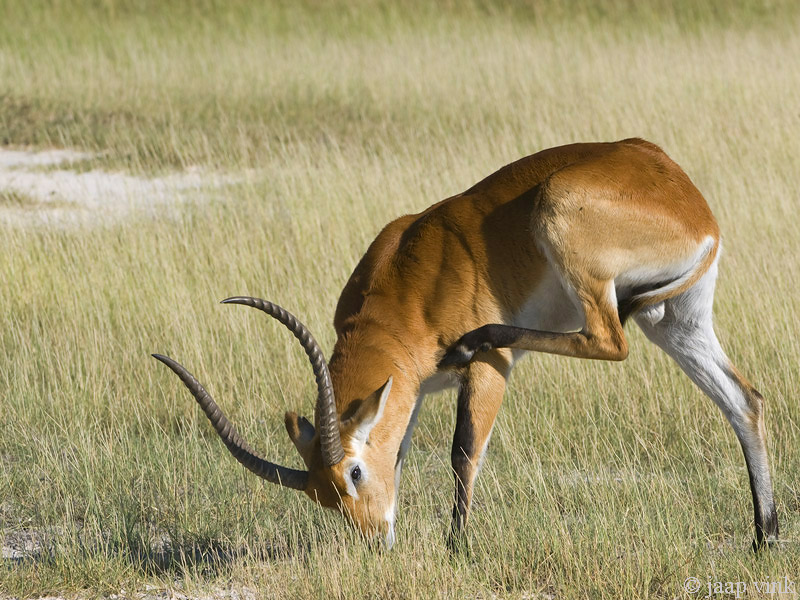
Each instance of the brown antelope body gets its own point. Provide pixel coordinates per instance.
(551, 253)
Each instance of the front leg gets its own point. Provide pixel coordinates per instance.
(479, 399)
(404, 446)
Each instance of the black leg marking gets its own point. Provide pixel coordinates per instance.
(487, 338)
(461, 455)
(766, 523)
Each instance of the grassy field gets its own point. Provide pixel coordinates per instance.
(602, 480)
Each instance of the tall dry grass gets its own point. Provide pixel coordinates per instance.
(608, 481)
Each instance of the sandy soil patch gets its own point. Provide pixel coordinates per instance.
(39, 189)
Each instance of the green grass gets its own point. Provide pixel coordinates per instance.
(602, 480)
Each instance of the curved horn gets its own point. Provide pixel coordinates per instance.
(326, 417)
(238, 447)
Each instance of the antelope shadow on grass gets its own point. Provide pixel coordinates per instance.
(32, 548)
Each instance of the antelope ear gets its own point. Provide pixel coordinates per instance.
(301, 432)
(369, 413)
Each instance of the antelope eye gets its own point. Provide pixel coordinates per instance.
(355, 473)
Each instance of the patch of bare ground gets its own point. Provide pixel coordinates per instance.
(42, 189)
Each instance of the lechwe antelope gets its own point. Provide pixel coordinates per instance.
(551, 253)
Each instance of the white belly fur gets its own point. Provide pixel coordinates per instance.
(551, 307)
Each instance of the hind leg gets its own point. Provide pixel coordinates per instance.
(684, 331)
(601, 337)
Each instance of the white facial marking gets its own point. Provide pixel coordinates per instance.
(390, 537)
(354, 461)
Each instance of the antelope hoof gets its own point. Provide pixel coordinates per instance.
(458, 356)
(464, 350)
(765, 544)
(457, 542)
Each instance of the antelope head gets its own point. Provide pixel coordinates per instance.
(335, 451)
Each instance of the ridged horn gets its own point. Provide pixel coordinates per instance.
(326, 418)
(284, 476)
